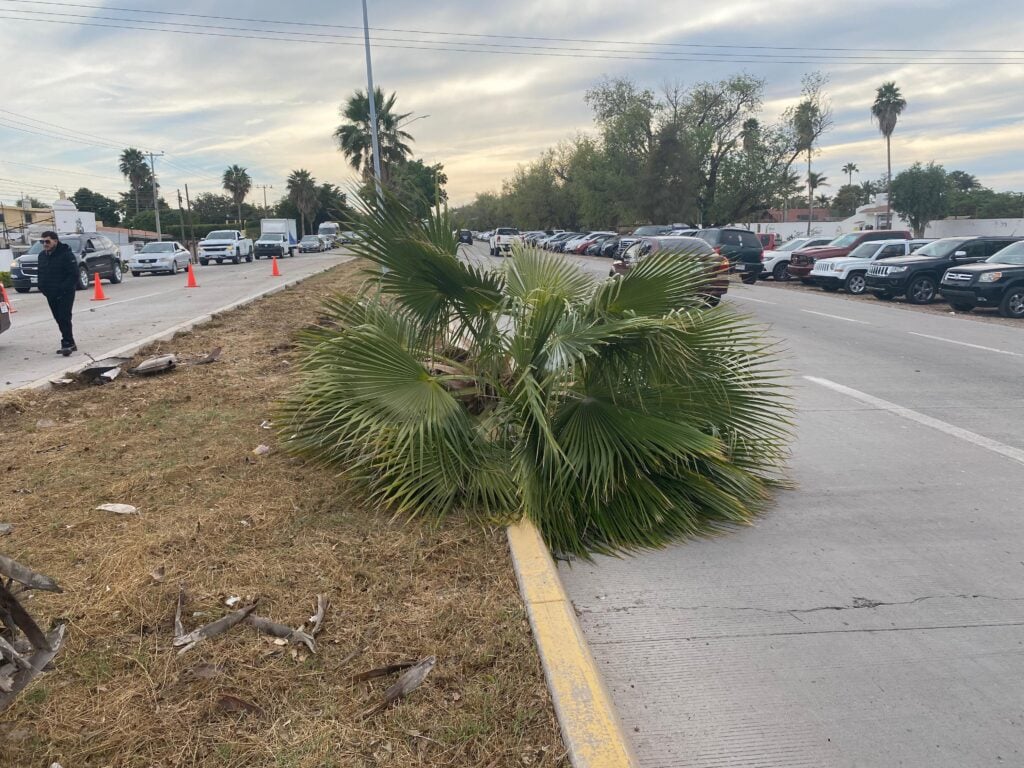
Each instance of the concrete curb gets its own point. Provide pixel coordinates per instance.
(590, 726)
(129, 350)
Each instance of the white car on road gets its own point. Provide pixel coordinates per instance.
(847, 272)
(503, 239)
(776, 263)
(169, 257)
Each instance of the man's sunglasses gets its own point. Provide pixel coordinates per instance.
(48, 241)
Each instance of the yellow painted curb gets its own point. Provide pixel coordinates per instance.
(590, 727)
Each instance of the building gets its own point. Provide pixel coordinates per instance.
(796, 215)
(14, 219)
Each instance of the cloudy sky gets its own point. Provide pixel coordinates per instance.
(210, 98)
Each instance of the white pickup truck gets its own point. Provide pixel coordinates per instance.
(225, 245)
(502, 240)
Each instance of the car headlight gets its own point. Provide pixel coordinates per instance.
(16, 264)
(990, 277)
(897, 270)
(839, 269)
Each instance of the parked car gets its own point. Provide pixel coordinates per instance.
(776, 262)
(503, 239)
(96, 255)
(610, 247)
(769, 240)
(918, 276)
(686, 247)
(648, 230)
(311, 244)
(597, 244)
(465, 236)
(556, 242)
(329, 241)
(225, 245)
(998, 281)
(848, 272)
(574, 244)
(802, 262)
(740, 246)
(347, 237)
(273, 245)
(160, 257)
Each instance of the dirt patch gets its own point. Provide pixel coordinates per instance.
(229, 523)
(937, 308)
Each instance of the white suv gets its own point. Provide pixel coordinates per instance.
(848, 272)
(776, 263)
(502, 240)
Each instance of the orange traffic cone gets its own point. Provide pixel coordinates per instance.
(6, 299)
(191, 278)
(97, 294)
(275, 272)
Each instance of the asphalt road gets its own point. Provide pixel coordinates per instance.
(875, 616)
(135, 309)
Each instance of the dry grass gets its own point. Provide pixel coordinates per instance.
(225, 522)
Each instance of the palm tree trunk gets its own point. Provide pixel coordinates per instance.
(888, 180)
(136, 190)
(810, 194)
(239, 215)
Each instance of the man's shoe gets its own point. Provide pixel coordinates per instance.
(66, 351)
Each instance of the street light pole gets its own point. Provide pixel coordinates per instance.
(371, 97)
(156, 203)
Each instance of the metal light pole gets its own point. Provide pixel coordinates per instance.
(371, 96)
(156, 203)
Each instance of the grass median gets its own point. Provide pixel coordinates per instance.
(228, 523)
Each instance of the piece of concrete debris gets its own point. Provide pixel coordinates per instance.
(62, 382)
(154, 365)
(261, 450)
(5, 529)
(98, 367)
(107, 376)
(118, 509)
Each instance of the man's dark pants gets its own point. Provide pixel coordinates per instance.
(60, 306)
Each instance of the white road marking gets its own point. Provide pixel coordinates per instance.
(101, 304)
(967, 436)
(748, 298)
(835, 317)
(965, 344)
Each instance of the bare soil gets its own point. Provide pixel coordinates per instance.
(228, 523)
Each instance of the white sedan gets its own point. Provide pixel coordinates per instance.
(169, 257)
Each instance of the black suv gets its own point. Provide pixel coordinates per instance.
(95, 253)
(465, 236)
(741, 247)
(917, 276)
(996, 282)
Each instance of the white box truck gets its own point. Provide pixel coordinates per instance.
(331, 230)
(278, 237)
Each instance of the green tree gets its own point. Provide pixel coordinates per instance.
(963, 181)
(810, 119)
(302, 191)
(617, 415)
(920, 195)
(888, 106)
(332, 205)
(848, 198)
(133, 167)
(208, 207)
(416, 185)
(237, 182)
(104, 207)
(354, 135)
(849, 169)
(814, 181)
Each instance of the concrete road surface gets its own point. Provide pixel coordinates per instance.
(875, 616)
(135, 309)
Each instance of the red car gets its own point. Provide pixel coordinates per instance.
(802, 262)
(770, 240)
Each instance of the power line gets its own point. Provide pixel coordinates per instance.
(442, 33)
(20, 127)
(694, 58)
(58, 170)
(54, 125)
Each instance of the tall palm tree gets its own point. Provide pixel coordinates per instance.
(238, 184)
(303, 193)
(814, 180)
(133, 167)
(616, 415)
(806, 120)
(354, 135)
(849, 169)
(889, 105)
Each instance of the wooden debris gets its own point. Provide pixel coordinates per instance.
(118, 509)
(213, 357)
(405, 685)
(23, 575)
(155, 365)
(42, 657)
(220, 626)
(317, 619)
(390, 669)
(269, 627)
(12, 613)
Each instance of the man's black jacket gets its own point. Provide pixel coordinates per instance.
(58, 270)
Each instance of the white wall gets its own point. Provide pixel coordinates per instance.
(968, 227)
(937, 229)
(789, 230)
(6, 257)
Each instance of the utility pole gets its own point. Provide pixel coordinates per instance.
(265, 187)
(156, 202)
(371, 97)
(181, 216)
(191, 231)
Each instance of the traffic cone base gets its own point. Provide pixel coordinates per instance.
(191, 277)
(275, 272)
(97, 293)
(6, 299)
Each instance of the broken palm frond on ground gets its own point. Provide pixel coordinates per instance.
(616, 414)
(325, 571)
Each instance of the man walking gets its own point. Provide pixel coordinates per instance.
(58, 278)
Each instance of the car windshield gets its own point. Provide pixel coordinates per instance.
(792, 245)
(1011, 254)
(221, 234)
(273, 237)
(311, 239)
(864, 251)
(158, 248)
(650, 230)
(507, 231)
(941, 248)
(844, 241)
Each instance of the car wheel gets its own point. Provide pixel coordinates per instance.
(749, 279)
(958, 307)
(856, 284)
(921, 291)
(83, 278)
(781, 272)
(248, 258)
(1012, 304)
(174, 267)
(117, 275)
(21, 289)
(135, 273)
(204, 262)
(236, 260)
